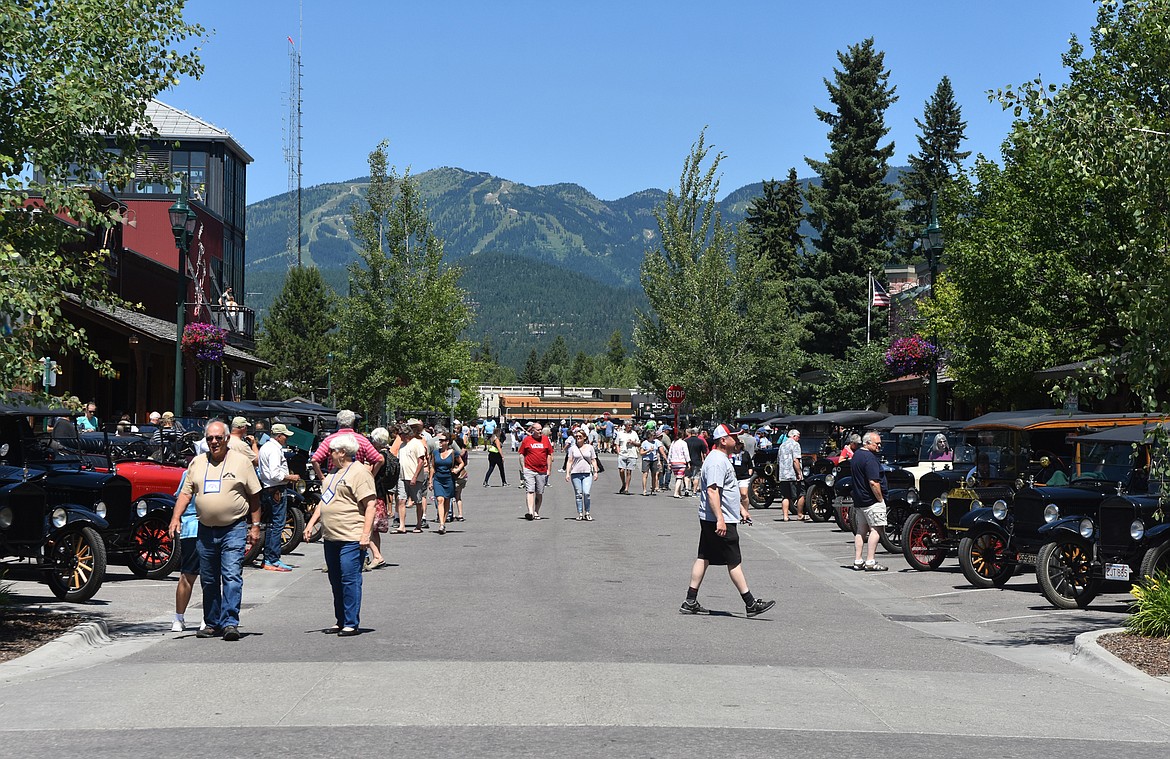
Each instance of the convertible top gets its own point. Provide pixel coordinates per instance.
(1037, 419)
(1132, 433)
(842, 418)
(908, 423)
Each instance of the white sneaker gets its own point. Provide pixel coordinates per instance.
(177, 626)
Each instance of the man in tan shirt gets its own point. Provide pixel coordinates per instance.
(227, 493)
(241, 441)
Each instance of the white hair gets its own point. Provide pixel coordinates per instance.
(870, 437)
(346, 418)
(793, 433)
(207, 428)
(345, 442)
(380, 437)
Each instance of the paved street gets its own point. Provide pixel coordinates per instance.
(558, 638)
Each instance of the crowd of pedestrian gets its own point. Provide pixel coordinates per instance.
(239, 481)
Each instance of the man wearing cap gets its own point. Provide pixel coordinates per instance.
(241, 441)
(627, 451)
(719, 517)
(274, 475)
(536, 451)
(226, 491)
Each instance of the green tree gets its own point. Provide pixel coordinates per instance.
(297, 336)
(1109, 128)
(554, 363)
(853, 209)
(581, 371)
(615, 351)
(75, 78)
(401, 326)
(937, 162)
(532, 373)
(693, 334)
(773, 224)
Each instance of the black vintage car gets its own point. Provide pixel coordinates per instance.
(999, 454)
(1004, 536)
(1126, 537)
(55, 522)
(103, 500)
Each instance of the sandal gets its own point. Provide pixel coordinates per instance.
(417, 529)
(458, 519)
(400, 532)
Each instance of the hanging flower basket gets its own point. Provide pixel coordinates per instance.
(204, 342)
(911, 355)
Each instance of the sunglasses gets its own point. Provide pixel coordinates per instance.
(214, 438)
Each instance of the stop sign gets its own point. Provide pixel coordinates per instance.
(675, 394)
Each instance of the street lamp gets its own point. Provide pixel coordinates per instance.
(183, 227)
(931, 241)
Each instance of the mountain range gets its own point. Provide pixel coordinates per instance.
(537, 261)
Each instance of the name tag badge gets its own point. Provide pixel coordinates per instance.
(327, 496)
(211, 486)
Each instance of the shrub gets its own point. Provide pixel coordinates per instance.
(5, 591)
(1150, 609)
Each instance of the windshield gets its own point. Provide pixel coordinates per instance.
(1111, 462)
(945, 445)
(902, 446)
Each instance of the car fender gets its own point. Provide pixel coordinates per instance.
(157, 501)
(1157, 535)
(1070, 525)
(75, 514)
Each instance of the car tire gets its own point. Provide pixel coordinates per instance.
(981, 557)
(253, 551)
(891, 534)
(818, 503)
(154, 553)
(1064, 573)
(843, 515)
(1157, 559)
(922, 538)
(75, 563)
(294, 529)
(761, 492)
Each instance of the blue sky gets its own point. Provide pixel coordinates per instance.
(608, 95)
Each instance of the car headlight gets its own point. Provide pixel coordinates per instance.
(943, 498)
(1137, 529)
(100, 509)
(976, 504)
(830, 479)
(999, 509)
(1051, 513)
(5, 518)
(59, 518)
(140, 508)
(911, 496)
(936, 506)
(1086, 528)
(301, 486)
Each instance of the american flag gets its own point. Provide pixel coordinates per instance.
(880, 296)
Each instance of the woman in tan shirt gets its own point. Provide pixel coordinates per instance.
(347, 521)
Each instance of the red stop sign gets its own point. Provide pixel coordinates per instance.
(675, 394)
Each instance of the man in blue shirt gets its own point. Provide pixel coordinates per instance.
(719, 518)
(869, 501)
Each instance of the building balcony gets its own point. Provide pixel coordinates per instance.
(239, 321)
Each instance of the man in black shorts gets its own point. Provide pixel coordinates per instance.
(719, 517)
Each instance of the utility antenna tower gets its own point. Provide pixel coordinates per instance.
(292, 143)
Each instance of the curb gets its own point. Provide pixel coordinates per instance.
(79, 639)
(1090, 654)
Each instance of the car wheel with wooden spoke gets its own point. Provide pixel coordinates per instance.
(761, 492)
(843, 515)
(153, 551)
(891, 534)
(981, 557)
(922, 542)
(75, 563)
(1064, 571)
(819, 503)
(294, 530)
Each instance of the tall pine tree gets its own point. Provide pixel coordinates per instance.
(938, 160)
(773, 224)
(296, 336)
(853, 209)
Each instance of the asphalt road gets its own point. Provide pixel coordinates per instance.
(558, 638)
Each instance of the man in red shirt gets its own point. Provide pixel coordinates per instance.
(536, 451)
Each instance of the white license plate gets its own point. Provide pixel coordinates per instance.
(1117, 572)
(1026, 558)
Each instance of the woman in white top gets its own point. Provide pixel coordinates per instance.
(582, 470)
(680, 459)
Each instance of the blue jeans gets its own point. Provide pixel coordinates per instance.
(221, 572)
(581, 486)
(344, 559)
(275, 503)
